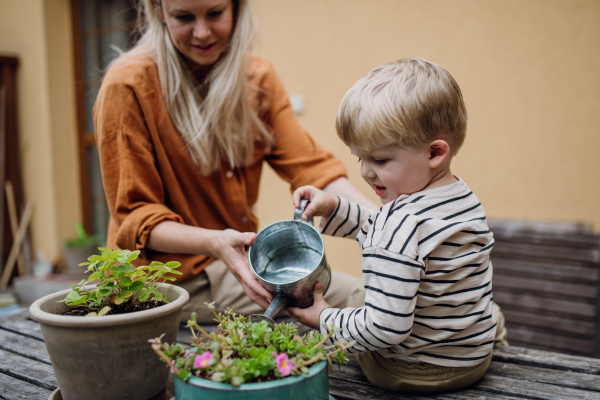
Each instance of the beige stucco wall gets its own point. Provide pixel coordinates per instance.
(39, 33)
(529, 72)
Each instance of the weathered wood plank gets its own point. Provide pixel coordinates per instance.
(555, 252)
(24, 346)
(15, 389)
(562, 270)
(531, 390)
(542, 227)
(532, 302)
(545, 338)
(344, 390)
(551, 322)
(470, 394)
(550, 238)
(546, 359)
(560, 289)
(27, 370)
(26, 327)
(574, 380)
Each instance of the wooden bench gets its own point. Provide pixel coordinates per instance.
(547, 280)
(515, 373)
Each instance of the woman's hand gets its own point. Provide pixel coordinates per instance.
(229, 247)
(310, 316)
(320, 203)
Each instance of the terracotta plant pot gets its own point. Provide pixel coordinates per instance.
(314, 386)
(109, 357)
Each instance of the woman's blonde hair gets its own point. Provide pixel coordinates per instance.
(218, 125)
(409, 102)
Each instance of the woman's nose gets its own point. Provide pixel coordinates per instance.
(201, 30)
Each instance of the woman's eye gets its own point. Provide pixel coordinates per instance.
(359, 160)
(214, 14)
(184, 17)
(379, 162)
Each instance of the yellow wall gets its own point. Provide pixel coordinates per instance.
(39, 34)
(529, 72)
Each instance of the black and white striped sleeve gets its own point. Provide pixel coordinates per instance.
(391, 284)
(347, 219)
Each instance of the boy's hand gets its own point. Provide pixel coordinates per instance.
(320, 203)
(310, 316)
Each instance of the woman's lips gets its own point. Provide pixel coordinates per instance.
(379, 190)
(205, 49)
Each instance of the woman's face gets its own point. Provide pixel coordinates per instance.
(199, 29)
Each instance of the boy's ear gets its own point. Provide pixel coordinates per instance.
(439, 151)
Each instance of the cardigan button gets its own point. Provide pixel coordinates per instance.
(244, 219)
(229, 174)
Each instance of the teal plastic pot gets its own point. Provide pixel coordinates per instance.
(314, 386)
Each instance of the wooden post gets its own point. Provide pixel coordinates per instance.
(14, 221)
(12, 257)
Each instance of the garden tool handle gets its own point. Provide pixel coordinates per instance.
(299, 211)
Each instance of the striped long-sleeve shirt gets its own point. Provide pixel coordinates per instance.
(427, 274)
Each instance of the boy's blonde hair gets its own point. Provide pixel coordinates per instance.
(409, 102)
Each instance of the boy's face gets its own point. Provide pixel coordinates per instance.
(393, 170)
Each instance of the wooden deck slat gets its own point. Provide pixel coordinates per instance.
(27, 370)
(535, 252)
(558, 271)
(574, 380)
(530, 390)
(15, 389)
(25, 327)
(558, 323)
(555, 288)
(24, 346)
(529, 301)
(546, 359)
(546, 338)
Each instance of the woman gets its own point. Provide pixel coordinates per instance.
(183, 123)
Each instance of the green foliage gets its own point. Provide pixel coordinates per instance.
(119, 281)
(82, 240)
(239, 351)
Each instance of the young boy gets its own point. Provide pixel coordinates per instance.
(428, 321)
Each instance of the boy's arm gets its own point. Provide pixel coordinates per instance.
(346, 220)
(391, 284)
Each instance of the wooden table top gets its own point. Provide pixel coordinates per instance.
(515, 372)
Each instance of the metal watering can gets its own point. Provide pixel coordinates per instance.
(288, 257)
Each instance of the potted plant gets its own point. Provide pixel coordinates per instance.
(96, 335)
(76, 250)
(252, 361)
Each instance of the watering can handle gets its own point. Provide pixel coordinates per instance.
(299, 211)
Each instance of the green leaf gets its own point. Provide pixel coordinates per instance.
(105, 292)
(124, 268)
(137, 285)
(92, 314)
(236, 380)
(305, 370)
(173, 264)
(93, 277)
(169, 278)
(218, 376)
(126, 281)
(133, 256)
(78, 301)
(144, 295)
(104, 311)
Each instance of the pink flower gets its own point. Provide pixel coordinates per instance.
(202, 360)
(284, 365)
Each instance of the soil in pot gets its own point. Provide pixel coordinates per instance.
(122, 308)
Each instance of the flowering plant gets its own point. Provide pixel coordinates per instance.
(240, 351)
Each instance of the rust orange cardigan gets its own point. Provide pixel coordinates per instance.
(149, 175)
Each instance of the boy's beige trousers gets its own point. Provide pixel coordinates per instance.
(216, 283)
(398, 376)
